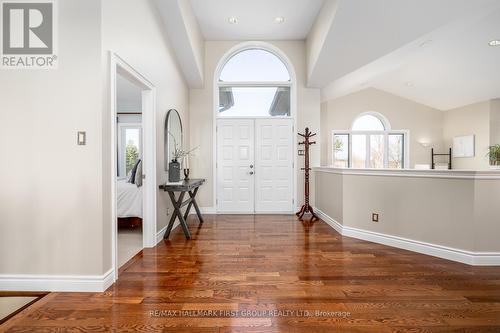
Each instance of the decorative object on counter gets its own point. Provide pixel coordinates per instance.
(306, 208)
(183, 155)
(494, 156)
(463, 146)
(174, 171)
(433, 155)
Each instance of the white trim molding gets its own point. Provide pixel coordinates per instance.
(57, 283)
(444, 252)
(120, 66)
(453, 174)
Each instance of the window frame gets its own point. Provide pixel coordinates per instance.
(386, 133)
(255, 84)
(122, 159)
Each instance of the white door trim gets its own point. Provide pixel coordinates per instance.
(293, 108)
(117, 64)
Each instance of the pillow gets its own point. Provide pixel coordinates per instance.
(133, 172)
(138, 174)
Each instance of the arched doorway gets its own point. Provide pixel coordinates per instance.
(255, 117)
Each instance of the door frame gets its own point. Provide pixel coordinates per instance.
(293, 110)
(118, 65)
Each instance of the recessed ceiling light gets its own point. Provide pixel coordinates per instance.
(279, 19)
(409, 84)
(232, 20)
(494, 42)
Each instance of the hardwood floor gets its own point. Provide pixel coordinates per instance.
(238, 264)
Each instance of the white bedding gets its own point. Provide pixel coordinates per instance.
(129, 199)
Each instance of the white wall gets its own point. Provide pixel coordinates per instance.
(55, 200)
(145, 47)
(423, 122)
(495, 122)
(51, 194)
(453, 212)
(470, 119)
(202, 103)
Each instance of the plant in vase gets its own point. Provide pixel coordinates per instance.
(494, 156)
(181, 154)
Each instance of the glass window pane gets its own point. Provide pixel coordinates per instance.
(376, 151)
(341, 150)
(396, 151)
(254, 101)
(359, 151)
(132, 150)
(368, 123)
(254, 65)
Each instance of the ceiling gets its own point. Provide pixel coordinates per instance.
(128, 96)
(457, 68)
(256, 18)
(434, 53)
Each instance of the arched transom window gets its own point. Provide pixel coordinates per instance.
(370, 143)
(254, 83)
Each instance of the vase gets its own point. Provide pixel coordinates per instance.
(186, 174)
(174, 171)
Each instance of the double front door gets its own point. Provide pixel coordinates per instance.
(254, 165)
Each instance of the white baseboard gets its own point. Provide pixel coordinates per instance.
(207, 210)
(463, 256)
(161, 233)
(57, 283)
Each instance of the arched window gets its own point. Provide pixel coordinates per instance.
(368, 122)
(254, 83)
(370, 144)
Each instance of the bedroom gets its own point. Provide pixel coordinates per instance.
(129, 196)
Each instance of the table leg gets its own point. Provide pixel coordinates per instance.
(195, 204)
(177, 213)
(170, 225)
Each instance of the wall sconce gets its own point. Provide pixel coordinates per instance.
(425, 144)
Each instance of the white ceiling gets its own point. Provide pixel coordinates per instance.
(128, 96)
(456, 68)
(255, 18)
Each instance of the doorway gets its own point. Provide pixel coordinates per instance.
(255, 165)
(133, 162)
(129, 182)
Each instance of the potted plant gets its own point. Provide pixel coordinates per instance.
(494, 156)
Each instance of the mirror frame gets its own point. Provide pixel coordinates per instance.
(167, 137)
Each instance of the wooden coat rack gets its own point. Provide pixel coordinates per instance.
(306, 208)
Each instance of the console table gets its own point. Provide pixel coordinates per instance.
(190, 186)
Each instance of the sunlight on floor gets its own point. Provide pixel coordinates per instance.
(129, 243)
(9, 305)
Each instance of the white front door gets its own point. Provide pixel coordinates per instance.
(254, 165)
(274, 165)
(235, 165)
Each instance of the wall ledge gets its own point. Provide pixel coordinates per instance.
(444, 252)
(444, 174)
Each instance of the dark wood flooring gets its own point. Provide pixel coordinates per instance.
(273, 274)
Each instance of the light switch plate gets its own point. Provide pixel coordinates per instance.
(81, 138)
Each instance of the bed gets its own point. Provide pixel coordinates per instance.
(128, 203)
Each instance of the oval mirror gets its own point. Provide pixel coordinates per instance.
(173, 135)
